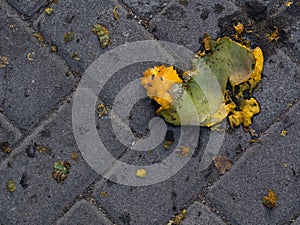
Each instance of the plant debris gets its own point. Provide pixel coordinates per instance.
(288, 4)
(274, 36)
(178, 218)
(75, 156)
(101, 110)
(4, 146)
(54, 48)
(49, 11)
(68, 37)
(102, 33)
(30, 56)
(3, 61)
(283, 133)
(103, 194)
(75, 56)
(61, 170)
(115, 13)
(39, 37)
(270, 200)
(142, 173)
(43, 149)
(237, 69)
(183, 151)
(222, 163)
(168, 145)
(11, 186)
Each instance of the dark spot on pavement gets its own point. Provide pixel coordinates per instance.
(256, 10)
(175, 13)
(218, 8)
(125, 218)
(204, 15)
(24, 180)
(30, 151)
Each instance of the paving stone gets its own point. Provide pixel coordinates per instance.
(27, 7)
(84, 213)
(79, 17)
(186, 25)
(38, 198)
(271, 164)
(198, 213)
(8, 133)
(279, 87)
(146, 9)
(31, 89)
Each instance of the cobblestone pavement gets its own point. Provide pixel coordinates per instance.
(37, 89)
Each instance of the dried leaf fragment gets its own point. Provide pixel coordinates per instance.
(49, 11)
(178, 218)
(75, 56)
(3, 61)
(288, 4)
(274, 36)
(283, 133)
(103, 194)
(183, 151)
(54, 48)
(68, 37)
(142, 173)
(61, 170)
(239, 28)
(115, 13)
(39, 36)
(102, 33)
(101, 110)
(30, 56)
(270, 200)
(43, 149)
(168, 145)
(4, 146)
(11, 186)
(75, 156)
(222, 163)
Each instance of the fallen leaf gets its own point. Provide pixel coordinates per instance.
(49, 11)
(75, 56)
(39, 36)
(274, 36)
(102, 33)
(54, 48)
(30, 56)
(3, 61)
(11, 186)
(75, 156)
(222, 163)
(142, 173)
(115, 13)
(178, 218)
(283, 133)
(4, 146)
(43, 149)
(61, 170)
(68, 37)
(101, 110)
(183, 151)
(270, 200)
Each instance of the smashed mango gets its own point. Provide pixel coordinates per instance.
(225, 67)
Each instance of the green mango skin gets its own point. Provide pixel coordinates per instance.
(203, 94)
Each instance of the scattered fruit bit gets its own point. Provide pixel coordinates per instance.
(222, 163)
(101, 110)
(43, 149)
(11, 186)
(115, 13)
(239, 28)
(75, 156)
(274, 35)
(39, 36)
(237, 69)
(178, 218)
(283, 133)
(54, 48)
(30, 56)
(49, 11)
(270, 200)
(68, 37)
(61, 170)
(142, 173)
(75, 56)
(183, 151)
(3, 61)
(168, 145)
(102, 33)
(4, 146)
(103, 194)
(288, 4)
